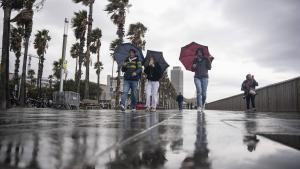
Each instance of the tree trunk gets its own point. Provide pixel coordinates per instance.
(81, 55)
(98, 75)
(76, 69)
(79, 76)
(23, 81)
(16, 73)
(41, 76)
(28, 30)
(38, 75)
(4, 89)
(88, 44)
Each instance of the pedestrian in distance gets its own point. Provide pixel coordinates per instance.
(154, 74)
(179, 100)
(132, 69)
(248, 86)
(201, 65)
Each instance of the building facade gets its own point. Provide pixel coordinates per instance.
(177, 79)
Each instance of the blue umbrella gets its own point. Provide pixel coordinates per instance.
(158, 57)
(122, 52)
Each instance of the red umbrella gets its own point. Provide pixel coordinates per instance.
(188, 54)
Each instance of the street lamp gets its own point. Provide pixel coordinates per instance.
(63, 54)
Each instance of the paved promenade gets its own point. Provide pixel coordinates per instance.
(51, 139)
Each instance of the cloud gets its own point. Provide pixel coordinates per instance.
(271, 29)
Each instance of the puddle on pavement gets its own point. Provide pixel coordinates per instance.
(185, 141)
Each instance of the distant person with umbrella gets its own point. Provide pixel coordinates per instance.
(155, 65)
(248, 86)
(179, 100)
(132, 68)
(201, 65)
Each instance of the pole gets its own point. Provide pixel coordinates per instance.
(63, 55)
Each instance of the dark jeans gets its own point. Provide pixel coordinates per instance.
(180, 105)
(250, 98)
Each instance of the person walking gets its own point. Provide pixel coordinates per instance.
(132, 69)
(201, 65)
(179, 100)
(248, 86)
(154, 73)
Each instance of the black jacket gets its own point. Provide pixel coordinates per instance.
(153, 73)
(202, 66)
(179, 98)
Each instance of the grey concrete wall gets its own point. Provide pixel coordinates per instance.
(279, 97)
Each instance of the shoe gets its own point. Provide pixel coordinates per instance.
(254, 109)
(153, 110)
(199, 109)
(203, 106)
(133, 110)
(122, 107)
(147, 109)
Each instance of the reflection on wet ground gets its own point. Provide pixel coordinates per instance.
(50, 139)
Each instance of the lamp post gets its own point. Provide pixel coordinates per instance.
(63, 55)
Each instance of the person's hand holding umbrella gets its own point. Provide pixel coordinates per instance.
(194, 65)
(158, 58)
(151, 62)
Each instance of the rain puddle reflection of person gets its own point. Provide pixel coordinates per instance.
(250, 139)
(200, 158)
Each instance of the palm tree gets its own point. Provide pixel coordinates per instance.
(24, 19)
(50, 78)
(57, 66)
(8, 6)
(117, 10)
(95, 48)
(79, 23)
(135, 34)
(16, 37)
(41, 41)
(31, 74)
(89, 3)
(75, 52)
(99, 67)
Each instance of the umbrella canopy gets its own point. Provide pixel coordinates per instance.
(188, 54)
(122, 52)
(158, 57)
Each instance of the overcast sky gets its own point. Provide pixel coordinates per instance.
(258, 37)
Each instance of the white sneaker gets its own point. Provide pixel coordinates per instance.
(122, 107)
(153, 109)
(199, 109)
(147, 109)
(203, 106)
(133, 110)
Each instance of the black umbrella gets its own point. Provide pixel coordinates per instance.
(122, 52)
(158, 57)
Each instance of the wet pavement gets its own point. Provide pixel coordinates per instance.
(51, 139)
